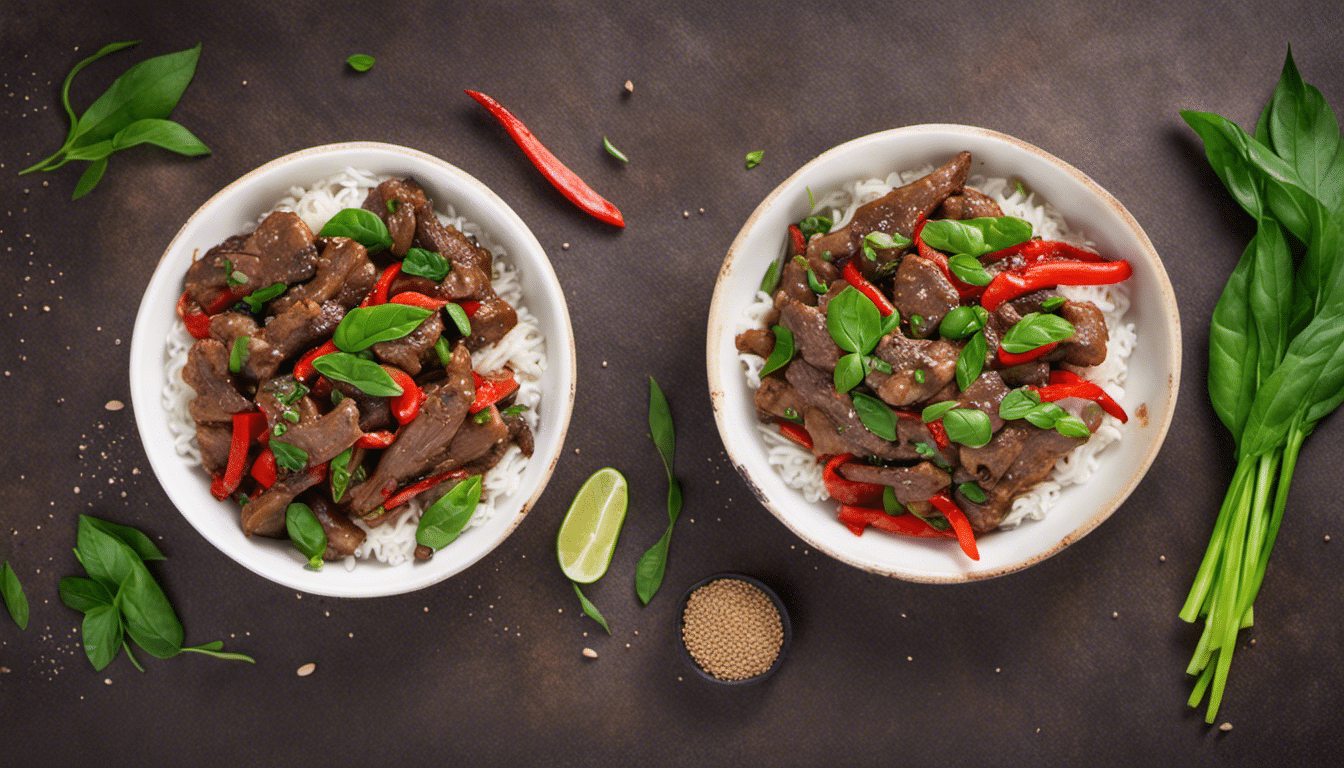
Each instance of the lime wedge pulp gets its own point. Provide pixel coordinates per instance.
(588, 534)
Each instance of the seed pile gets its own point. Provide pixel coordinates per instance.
(732, 629)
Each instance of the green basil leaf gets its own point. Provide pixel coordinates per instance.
(782, 352)
(1053, 303)
(290, 457)
(853, 321)
(83, 594)
(340, 473)
(16, 600)
(971, 361)
(423, 263)
(968, 269)
(365, 326)
(91, 152)
(815, 225)
(653, 563)
(876, 415)
(106, 557)
(660, 426)
(937, 410)
(890, 504)
(137, 541)
(1017, 403)
(150, 619)
(589, 609)
(150, 89)
(1035, 330)
(257, 299)
(882, 241)
(849, 371)
(370, 377)
(961, 322)
(1072, 426)
(90, 178)
(360, 62)
(754, 158)
(968, 426)
(65, 87)
(459, 317)
(889, 324)
(238, 354)
(445, 518)
(975, 237)
(1045, 415)
(1304, 132)
(613, 151)
(771, 279)
(652, 566)
(364, 227)
(307, 533)
(973, 491)
(101, 634)
(165, 134)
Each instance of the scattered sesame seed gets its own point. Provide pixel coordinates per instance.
(685, 214)
(1327, 538)
(1225, 727)
(306, 669)
(564, 246)
(590, 653)
(629, 87)
(107, 681)
(1161, 558)
(114, 405)
(1115, 614)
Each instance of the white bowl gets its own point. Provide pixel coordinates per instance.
(236, 209)
(1154, 367)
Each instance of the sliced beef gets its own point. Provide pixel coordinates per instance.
(918, 483)
(520, 433)
(408, 352)
(492, 320)
(1000, 320)
(1087, 345)
(756, 341)
(343, 536)
(1036, 373)
(988, 462)
(1038, 452)
(375, 412)
(1031, 302)
(265, 515)
(214, 441)
(970, 203)
(793, 284)
(985, 394)
(324, 437)
(811, 337)
(473, 441)
(448, 242)
(922, 289)
(933, 360)
(816, 390)
(217, 396)
(344, 274)
(775, 398)
(228, 326)
(299, 328)
(395, 201)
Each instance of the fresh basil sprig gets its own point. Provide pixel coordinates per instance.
(307, 533)
(368, 376)
(364, 227)
(291, 457)
(1025, 403)
(341, 476)
(613, 151)
(937, 410)
(876, 415)
(1053, 303)
(971, 361)
(423, 263)
(754, 158)
(770, 281)
(16, 600)
(963, 321)
(134, 110)
(445, 518)
(1018, 403)
(968, 426)
(653, 564)
(968, 269)
(856, 326)
(1035, 330)
(363, 327)
(975, 237)
(590, 609)
(782, 352)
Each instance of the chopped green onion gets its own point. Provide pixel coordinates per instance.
(613, 151)
(754, 158)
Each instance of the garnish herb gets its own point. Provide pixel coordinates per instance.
(1018, 403)
(972, 491)
(306, 532)
(1053, 303)
(815, 283)
(256, 299)
(1072, 426)
(815, 225)
(1045, 415)
(590, 610)
(340, 473)
(290, 457)
(782, 352)
(1276, 345)
(1035, 330)
(423, 263)
(876, 415)
(856, 326)
(968, 269)
(481, 417)
(937, 410)
(890, 504)
(392, 205)
(238, 354)
(134, 110)
(368, 376)
(754, 158)
(360, 62)
(514, 410)
(445, 518)
(971, 361)
(963, 321)
(883, 241)
(918, 376)
(771, 279)
(613, 151)
(442, 351)
(653, 564)
(16, 600)
(459, 317)
(364, 227)
(968, 426)
(365, 326)
(975, 237)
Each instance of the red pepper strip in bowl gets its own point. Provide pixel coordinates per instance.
(414, 299)
(222, 302)
(197, 322)
(965, 536)
(1068, 384)
(263, 469)
(379, 293)
(492, 389)
(246, 427)
(380, 439)
(797, 240)
(858, 518)
(852, 276)
(563, 179)
(415, 489)
(796, 433)
(964, 290)
(304, 370)
(935, 427)
(1009, 359)
(1047, 274)
(848, 491)
(405, 406)
(470, 307)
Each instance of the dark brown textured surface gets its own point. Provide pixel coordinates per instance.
(486, 669)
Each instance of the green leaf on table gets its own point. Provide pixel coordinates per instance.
(653, 563)
(613, 151)
(660, 425)
(150, 89)
(754, 158)
(589, 609)
(360, 62)
(83, 594)
(137, 541)
(150, 619)
(161, 133)
(445, 518)
(90, 178)
(16, 600)
(101, 635)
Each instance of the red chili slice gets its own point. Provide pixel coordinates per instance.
(405, 406)
(796, 433)
(491, 389)
(859, 518)
(1009, 359)
(797, 240)
(965, 536)
(415, 489)
(303, 370)
(246, 428)
(379, 293)
(197, 322)
(1068, 384)
(1007, 286)
(854, 278)
(847, 491)
(263, 469)
(380, 439)
(415, 299)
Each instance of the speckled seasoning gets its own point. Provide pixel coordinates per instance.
(732, 629)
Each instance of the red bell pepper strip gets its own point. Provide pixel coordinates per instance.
(563, 179)
(263, 469)
(303, 370)
(379, 293)
(796, 433)
(492, 389)
(935, 427)
(222, 302)
(854, 278)
(859, 518)
(1047, 274)
(797, 240)
(1009, 359)
(405, 406)
(411, 491)
(196, 321)
(470, 307)
(246, 427)
(415, 299)
(1068, 384)
(960, 525)
(379, 439)
(848, 491)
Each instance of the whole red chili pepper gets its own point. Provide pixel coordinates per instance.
(960, 525)
(379, 293)
(796, 433)
(415, 489)
(196, 321)
(1068, 384)
(379, 439)
(303, 370)
(491, 389)
(1009, 359)
(859, 518)
(563, 179)
(1047, 274)
(848, 491)
(405, 406)
(854, 278)
(263, 469)
(246, 427)
(414, 299)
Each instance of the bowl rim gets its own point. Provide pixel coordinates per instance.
(724, 310)
(786, 625)
(148, 339)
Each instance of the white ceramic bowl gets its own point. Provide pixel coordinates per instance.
(1154, 367)
(236, 209)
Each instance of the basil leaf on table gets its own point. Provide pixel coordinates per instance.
(652, 564)
(367, 375)
(106, 557)
(90, 178)
(289, 456)
(975, 237)
(360, 62)
(613, 151)
(137, 541)
(1035, 330)
(754, 158)
(423, 263)
(445, 518)
(16, 600)
(876, 415)
(150, 619)
(307, 533)
(363, 327)
(589, 609)
(968, 426)
(101, 635)
(782, 352)
(164, 134)
(364, 227)
(971, 361)
(83, 594)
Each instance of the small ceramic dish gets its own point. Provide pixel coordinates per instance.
(785, 625)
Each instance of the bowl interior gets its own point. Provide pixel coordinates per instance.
(236, 209)
(1150, 387)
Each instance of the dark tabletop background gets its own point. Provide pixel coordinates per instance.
(1077, 660)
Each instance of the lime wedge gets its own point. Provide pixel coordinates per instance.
(588, 533)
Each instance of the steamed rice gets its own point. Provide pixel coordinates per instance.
(523, 349)
(800, 469)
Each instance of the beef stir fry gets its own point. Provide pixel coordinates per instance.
(333, 371)
(923, 353)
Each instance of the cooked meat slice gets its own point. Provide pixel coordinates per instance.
(826, 437)
(1035, 373)
(421, 441)
(520, 433)
(793, 284)
(343, 536)
(811, 337)
(934, 360)
(207, 372)
(913, 433)
(214, 441)
(756, 341)
(473, 441)
(988, 462)
(1031, 302)
(265, 515)
(918, 483)
(816, 390)
(492, 320)
(985, 394)
(395, 202)
(1000, 320)
(285, 402)
(375, 412)
(896, 212)
(465, 282)
(970, 203)
(408, 351)
(301, 327)
(281, 250)
(448, 242)
(922, 289)
(1087, 345)
(344, 273)
(324, 437)
(775, 398)
(1040, 449)
(228, 326)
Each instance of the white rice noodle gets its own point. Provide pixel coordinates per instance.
(522, 349)
(799, 468)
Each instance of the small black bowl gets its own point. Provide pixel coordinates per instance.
(783, 620)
